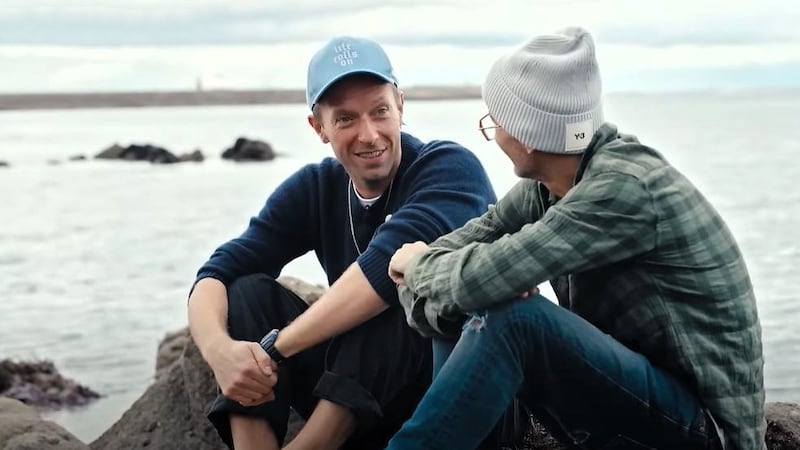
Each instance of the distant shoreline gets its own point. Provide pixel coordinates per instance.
(222, 97)
(202, 98)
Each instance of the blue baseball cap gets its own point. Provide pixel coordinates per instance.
(344, 56)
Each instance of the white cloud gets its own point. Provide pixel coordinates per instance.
(695, 56)
(147, 44)
(51, 68)
(157, 9)
(658, 22)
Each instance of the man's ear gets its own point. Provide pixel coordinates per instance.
(318, 129)
(400, 101)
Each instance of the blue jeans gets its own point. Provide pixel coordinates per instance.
(587, 389)
(442, 348)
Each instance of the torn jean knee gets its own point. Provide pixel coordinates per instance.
(476, 321)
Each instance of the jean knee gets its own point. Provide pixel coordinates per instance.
(530, 308)
(519, 319)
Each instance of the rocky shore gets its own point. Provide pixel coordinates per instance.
(38, 383)
(170, 413)
(203, 98)
(242, 150)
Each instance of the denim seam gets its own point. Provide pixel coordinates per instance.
(524, 319)
(431, 439)
(470, 385)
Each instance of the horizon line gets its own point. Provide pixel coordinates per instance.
(255, 96)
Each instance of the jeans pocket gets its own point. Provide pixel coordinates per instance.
(622, 442)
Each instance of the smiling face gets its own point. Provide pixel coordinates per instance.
(360, 116)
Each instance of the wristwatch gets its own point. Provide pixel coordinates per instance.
(268, 344)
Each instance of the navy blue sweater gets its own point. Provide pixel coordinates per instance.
(438, 187)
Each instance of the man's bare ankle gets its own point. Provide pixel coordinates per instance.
(308, 441)
(252, 433)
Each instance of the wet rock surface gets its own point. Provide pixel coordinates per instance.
(783, 426)
(21, 428)
(249, 150)
(38, 383)
(139, 152)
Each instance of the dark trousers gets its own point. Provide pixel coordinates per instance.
(378, 370)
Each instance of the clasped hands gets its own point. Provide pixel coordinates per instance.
(404, 254)
(244, 372)
(400, 259)
(247, 375)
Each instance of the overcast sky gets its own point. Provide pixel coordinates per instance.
(125, 45)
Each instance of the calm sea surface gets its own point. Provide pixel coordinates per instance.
(96, 257)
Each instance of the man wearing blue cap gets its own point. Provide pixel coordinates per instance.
(349, 363)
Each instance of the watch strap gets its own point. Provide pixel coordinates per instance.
(268, 344)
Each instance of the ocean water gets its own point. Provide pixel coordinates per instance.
(96, 257)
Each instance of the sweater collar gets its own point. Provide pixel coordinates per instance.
(409, 146)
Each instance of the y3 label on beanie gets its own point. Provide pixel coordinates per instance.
(578, 136)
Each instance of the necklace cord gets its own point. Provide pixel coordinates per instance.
(350, 211)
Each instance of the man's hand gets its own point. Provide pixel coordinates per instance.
(400, 259)
(244, 371)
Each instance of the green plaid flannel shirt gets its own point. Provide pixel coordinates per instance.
(635, 249)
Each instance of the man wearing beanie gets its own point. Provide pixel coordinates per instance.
(349, 363)
(655, 342)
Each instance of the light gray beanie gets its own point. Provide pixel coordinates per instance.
(547, 93)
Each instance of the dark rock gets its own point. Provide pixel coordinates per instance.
(307, 291)
(195, 156)
(4, 164)
(38, 383)
(77, 158)
(137, 152)
(783, 430)
(783, 426)
(27, 393)
(113, 152)
(152, 153)
(6, 378)
(171, 413)
(249, 150)
(170, 349)
(21, 428)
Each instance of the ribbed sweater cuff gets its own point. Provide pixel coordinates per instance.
(206, 274)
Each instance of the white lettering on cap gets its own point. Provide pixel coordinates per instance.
(344, 54)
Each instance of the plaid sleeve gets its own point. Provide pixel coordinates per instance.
(508, 216)
(603, 219)
(430, 317)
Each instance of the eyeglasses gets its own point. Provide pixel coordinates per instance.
(487, 127)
